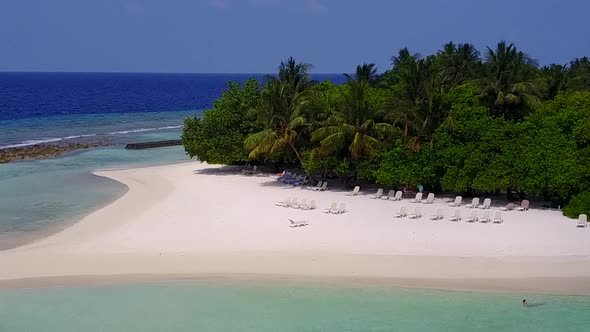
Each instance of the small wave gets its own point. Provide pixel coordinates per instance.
(140, 130)
(41, 141)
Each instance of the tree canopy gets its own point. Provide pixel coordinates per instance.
(458, 120)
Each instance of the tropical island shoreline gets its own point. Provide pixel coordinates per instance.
(194, 220)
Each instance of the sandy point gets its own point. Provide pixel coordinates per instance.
(199, 219)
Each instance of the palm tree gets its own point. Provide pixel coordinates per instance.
(283, 102)
(555, 79)
(366, 73)
(579, 74)
(353, 130)
(418, 110)
(509, 86)
(459, 64)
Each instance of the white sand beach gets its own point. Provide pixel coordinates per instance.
(194, 219)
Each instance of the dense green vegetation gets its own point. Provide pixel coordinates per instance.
(453, 121)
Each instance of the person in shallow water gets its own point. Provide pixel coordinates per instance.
(525, 303)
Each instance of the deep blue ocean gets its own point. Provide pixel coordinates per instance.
(40, 197)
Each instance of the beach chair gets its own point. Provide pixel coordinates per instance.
(293, 223)
(416, 214)
(430, 198)
(332, 207)
(508, 207)
(438, 215)
(246, 169)
(301, 181)
(355, 191)
(456, 215)
(398, 196)
(377, 195)
(417, 199)
(298, 205)
(311, 205)
(472, 217)
(524, 205)
(341, 209)
(498, 218)
(456, 202)
(486, 204)
(485, 218)
(582, 221)
(403, 211)
(390, 195)
(284, 203)
(251, 172)
(474, 203)
(324, 187)
(318, 186)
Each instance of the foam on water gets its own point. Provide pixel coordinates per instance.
(235, 306)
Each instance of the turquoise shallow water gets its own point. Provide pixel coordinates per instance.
(41, 197)
(210, 306)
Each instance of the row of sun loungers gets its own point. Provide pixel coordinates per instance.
(292, 179)
(296, 204)
(320, 186)
(439, 215)
(335, 208)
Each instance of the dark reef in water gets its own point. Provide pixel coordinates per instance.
(151, 145)
(41, 151)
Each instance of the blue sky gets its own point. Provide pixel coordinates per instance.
(253, 36)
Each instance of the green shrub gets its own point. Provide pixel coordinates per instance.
(577, 205)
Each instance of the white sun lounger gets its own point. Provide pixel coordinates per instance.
(474, 203)
(317, 186)
(456, 215)
(355, 191)
(582, 221)
(456, 202)
(402, 212)
(390, 195)
(417, 214)
(332, 207)
(430, 198)
(310, 206)
(378, 194)
(524, 205)
(398, 196)
(324, 187)
(299, 223)
(498, 218)
(341, 209)
(508, 207)
(438, 215)
(298, 205)
(485, 218)
(486, 204)
(284, 203)
(417, 199)
(472, 217)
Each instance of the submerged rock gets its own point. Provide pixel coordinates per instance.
(41, 151)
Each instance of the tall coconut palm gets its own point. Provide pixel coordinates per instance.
(510, 85)
(352, 130)
(555, 77)
(579, 74)
(459, 63)
(281, 110)
(418, 109)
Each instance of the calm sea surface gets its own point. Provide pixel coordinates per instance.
(224, 306)
(40, 197)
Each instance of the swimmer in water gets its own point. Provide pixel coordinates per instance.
(525, 303)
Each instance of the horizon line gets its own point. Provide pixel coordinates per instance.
(145, 72)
